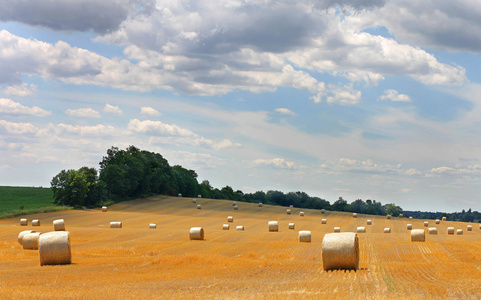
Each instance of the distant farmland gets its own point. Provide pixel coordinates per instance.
(23, 200)
(137, 262)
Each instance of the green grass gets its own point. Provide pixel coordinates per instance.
(16, 201)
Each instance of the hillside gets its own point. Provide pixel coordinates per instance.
(163, 263)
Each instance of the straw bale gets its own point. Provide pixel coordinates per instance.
(59, 225)
(152, 226)
(236, 207)
(433, 230)
(115, 224)
(469, 228)
(260, 204)
(304, 236)
(199, 206)
(438, 221)
(369, 222)
(230, 219)
(301, 214)
(179, 194)
(354, 215)
(401, 215)
(337, 229)
(418, 235)
(291, 206)
(426, 224)
(387, 230)
(23, 222)
(459, 232)
(450, 230)
(323, 211)
(323, 221)
(388, 217)
(292, 225)
(36, 222)
(234, 203)
(273, 226)
(54, 248)
(410, 217)
(340, 251)
(30, 241)
(409, 226)
(199, 196)
(104, 208)
(444, 218)
(288, 211)
(22, 234)
(194, 200)
(197, 233)
(361, 229)
(225, 227)
(240, 228)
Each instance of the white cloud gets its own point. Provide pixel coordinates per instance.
(97, 130)
(83, 113)
(157, 128)
(344, 96)
(353, 165)
(393, 95)
(276, 162)
(18, 128)
(457, 170)
(111, 109)
(285, 111)
(21, 90)
(8, 106)
(149, 111)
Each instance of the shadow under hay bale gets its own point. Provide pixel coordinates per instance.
(54, 248)
(340, 251)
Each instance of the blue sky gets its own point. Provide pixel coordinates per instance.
(335, 98)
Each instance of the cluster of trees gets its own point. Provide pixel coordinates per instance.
(463, 216)
(133, 173)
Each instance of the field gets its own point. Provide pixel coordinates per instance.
(136, 262)
(16, 201)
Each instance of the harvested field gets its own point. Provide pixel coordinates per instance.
(136, 262)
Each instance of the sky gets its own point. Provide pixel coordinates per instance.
(366, 99)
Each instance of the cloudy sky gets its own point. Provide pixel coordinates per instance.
(366, 99)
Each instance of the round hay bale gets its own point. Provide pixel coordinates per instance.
(418, 235)
(179, 195)
(273, 226)
(469, 228)
(30, 241)
(22, 234)
(459, 232)
(230, 219)
(199, 196)
(410, 217)
(444, 218)
(196, 233)
(479, 226)
(369, 222)
(54, 248)
(387, 230)
(240, 228)
(225, 227)
(433, 230)
(292, 225)
(337, 229)
(388, 217)
(323, 221)
(194, 200)
(291, 206)
(199, 206)
(236, 207)
(23, 222)
(115, 224)
(104, 208)
(288, 211)
(301, 214)
(152, 226)
(438, 221)
(323, 211)
(304, 236)
(340, 251)
(361, 229)
(409, 226)
(59, 225)
(426, 224)
(354, 215)
(260, 204)
(234, 203)
(35, 222)
(450, 230)
(401, 215)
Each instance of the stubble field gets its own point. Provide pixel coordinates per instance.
(137, 262)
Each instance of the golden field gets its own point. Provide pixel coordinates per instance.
(136, 262)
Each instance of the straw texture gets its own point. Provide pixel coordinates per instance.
(418, 235)
(54, 248)
(273, 226)
(292, 225)
(337, 229)
(22, 234)
(225, 227)
(361, 229)
(115, 224)
(196, 233)
(59, 225)
(30, 241)
(387, 230)
(433, 230)
(23, 222)
(450, 230)
(340, 251)
(304, 236)
(240, 228)
(35, 222)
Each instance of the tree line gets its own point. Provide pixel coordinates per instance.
(133, 173)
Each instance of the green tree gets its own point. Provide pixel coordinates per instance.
(392, 209)
(77, 187)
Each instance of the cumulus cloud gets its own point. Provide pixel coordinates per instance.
(111, 109)
(393, 95)
(98, 130)
(8, 106)
(457, 170)
(83, 113)
(20, 90)
(344, 96)
(157, 128)
(285, 111)
(18, 128)
(145, 110)
(354, 165)
(277, 162)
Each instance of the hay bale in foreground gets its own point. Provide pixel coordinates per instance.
(240, 228)
(459, 232)
(469, 228)
(288, 211)
(369, 222)
(418, 235)
(152, 226)
(196, 233)
(22, 234)
(409, 226)
(301, 214)
(426, 224)
(230, 219)
(59, 225)
(23, 222)
(354, 215)
(30, 241)
(340, 251)
(104, 208)
(292, 225)
(304, 236)
(323, 221)
(361, 229)
(387, 230)
(433, 230)
(273, 226)
(54, 248)
(225, 227)
(115, 224)
(450, 230)
(36, 222)
(337, 229)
